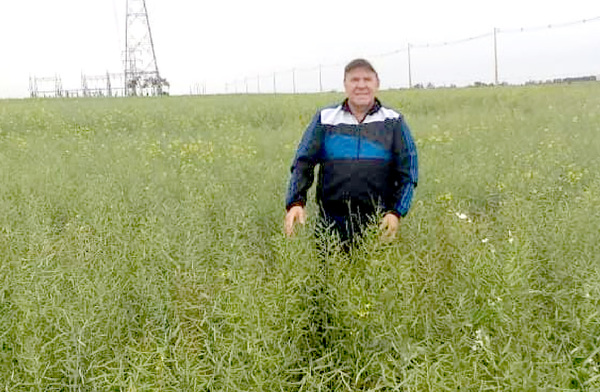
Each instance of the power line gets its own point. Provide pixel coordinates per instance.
(494, 33)
(549, 26)
(448, 43)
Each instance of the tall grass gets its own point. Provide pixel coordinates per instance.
(141, 249)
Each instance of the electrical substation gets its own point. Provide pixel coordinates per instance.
(140, 75)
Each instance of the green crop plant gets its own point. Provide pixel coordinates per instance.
(141, 249)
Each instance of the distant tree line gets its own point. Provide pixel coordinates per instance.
(574, 79)
(590, 78)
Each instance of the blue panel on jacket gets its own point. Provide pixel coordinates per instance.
(346, 147)
(340, 147)
(373, 150)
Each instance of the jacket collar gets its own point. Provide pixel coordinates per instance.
(374, 109)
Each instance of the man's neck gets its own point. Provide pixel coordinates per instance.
(360, 112)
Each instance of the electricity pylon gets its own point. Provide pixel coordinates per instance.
(141, 70)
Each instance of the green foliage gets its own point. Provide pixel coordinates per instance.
(141, 249)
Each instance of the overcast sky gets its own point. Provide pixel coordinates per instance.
(219, 42)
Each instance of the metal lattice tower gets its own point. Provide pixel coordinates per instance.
(141, 70)
(45, 87)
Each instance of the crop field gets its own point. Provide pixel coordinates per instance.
(142, 249)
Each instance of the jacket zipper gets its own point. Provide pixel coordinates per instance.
(358, 144)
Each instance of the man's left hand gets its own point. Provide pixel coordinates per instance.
(389, 227)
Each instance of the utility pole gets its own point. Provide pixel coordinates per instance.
(33, 89)
(84, 85)
(320, 79)
(409, 68)
(495, 57)
(294, 80)
(108, 84)
(58, 89)
(141, 69)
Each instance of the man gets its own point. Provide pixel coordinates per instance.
(367, 159)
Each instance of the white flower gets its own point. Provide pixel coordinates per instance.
(485, 240)
(461, 216)
(481, 340)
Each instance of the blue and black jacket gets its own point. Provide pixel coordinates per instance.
(372, 164)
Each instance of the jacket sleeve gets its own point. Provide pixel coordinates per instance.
(307, 156)
(406, 168)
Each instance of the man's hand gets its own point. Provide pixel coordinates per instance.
(389, 227)
(295, 213)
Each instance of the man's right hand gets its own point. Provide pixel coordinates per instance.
(295, 213)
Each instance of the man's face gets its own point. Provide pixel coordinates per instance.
(361, 85)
